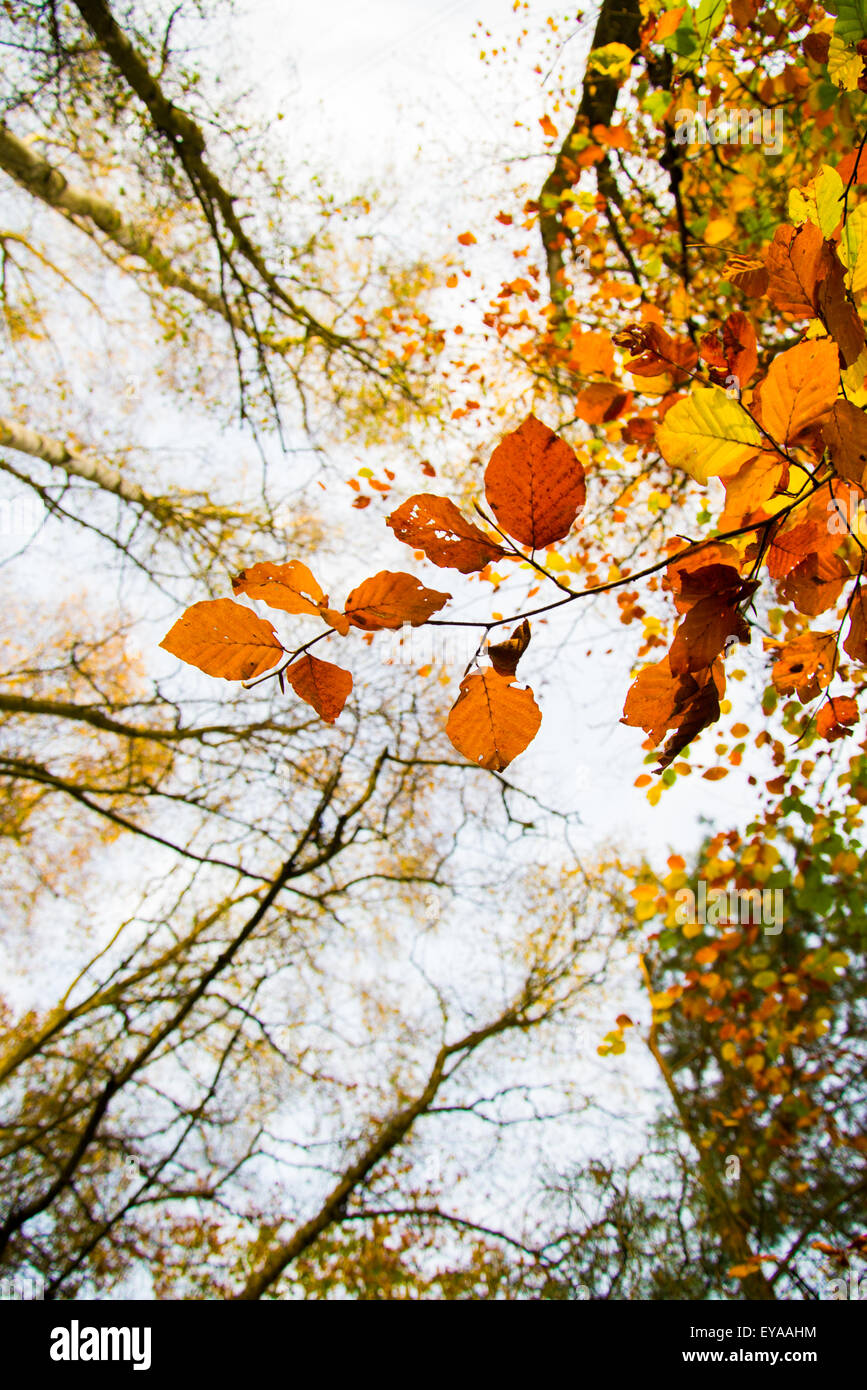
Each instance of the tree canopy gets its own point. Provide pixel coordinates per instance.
(309, 993)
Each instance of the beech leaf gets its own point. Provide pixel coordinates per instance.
(534, 484)
(224, 639)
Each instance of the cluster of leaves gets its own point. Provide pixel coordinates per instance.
(534, 485)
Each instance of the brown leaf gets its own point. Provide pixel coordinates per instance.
(805, 665)
(659, 353)
(534, 484)
(321, 684)
(707, 569)
(436, 526)
(291, 587)
(845, 433)
(856, 639)
(794, 261)
(839, 315)
(816, 583)
(224, 639)
(702, 635)
(816, 46)
(792, 544)
(390, 599)
(492, 720)
(748, 274)
(734, 352)
(506, 655)
(660, 700)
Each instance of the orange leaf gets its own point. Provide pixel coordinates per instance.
(291, 587)
(434, 525)
(492, 720)
(805, 665)
(335, 619)
(549, 127)
(838, 313)
(601, 402)
(815, 584)
(506, 655)
(224, 639)
(390, 599)
(799, 390)
(321, 684)
(466, 238)
(668, 22)
(794, 264)
(592, 352)
(535, 485)
(832, 719)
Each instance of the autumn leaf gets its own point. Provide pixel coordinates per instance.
(291, 587)
(660, 700)
(856, 639)
(839, 315)
(802, 535)
(505, 656)
(534, 484)
(845, 433)
(732, 353)
(224, 639)
(750, 488)
(836, 717)
(601, 402)
(748, 274)
(815, 584)
(805, 665)
(390, 599)
(659, 353)
(321, 684)
(706, 570)
(794, 262)
(704, 632)
(592, 352)
(436, 526)
(707, 434)
(799, 390)
(492, 720)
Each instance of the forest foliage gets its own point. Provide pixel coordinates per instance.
(351, 976)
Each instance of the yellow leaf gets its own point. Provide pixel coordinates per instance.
(717, 230)
(614, 59)
(708, 435)
(844, 65)
(819, 201)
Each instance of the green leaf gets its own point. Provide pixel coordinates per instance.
(851, 20)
